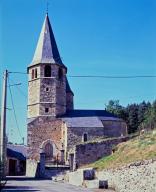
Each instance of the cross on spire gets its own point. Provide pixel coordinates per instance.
(47, 9)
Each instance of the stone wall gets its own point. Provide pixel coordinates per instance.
(42, 129)
(47, 92)
(31, 168)
(75, 135)
(57, 91)
(114, 128)
(111, 128)
(135, 177)
(74, 178)
(33, 98)
(90, 152)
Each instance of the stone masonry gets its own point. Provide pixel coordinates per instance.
(46, 92)
(92, 151)
(75, 135)
(135, 177)
(46, 130)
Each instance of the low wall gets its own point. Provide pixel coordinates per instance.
(90, 152)
(135, 177)
(31, 168)
(75, 178)
(54, 171)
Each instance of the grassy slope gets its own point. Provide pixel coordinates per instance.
(138, 148)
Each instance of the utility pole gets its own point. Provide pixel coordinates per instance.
(3, 141)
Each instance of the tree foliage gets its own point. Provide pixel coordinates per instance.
(137, 116)
(149, 121)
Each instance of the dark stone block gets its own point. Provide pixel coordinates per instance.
(103, 184)
(89, 174)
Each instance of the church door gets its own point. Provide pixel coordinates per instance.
(48, 151)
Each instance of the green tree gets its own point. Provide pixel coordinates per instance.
(115, 108)
(150, 117)
(132, 120)
(142, 109)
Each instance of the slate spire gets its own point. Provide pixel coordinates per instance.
(46, 50)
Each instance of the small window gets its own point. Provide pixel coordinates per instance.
(60, 73)
(47, 89)
(47, 71)
(85, 137)
(36, 73)
(46, 110)
(32, 75)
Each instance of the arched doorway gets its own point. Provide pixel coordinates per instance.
(48, 149)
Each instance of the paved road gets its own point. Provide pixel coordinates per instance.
(29, 185)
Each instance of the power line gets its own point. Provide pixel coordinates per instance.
(113, 77)
(18, 72)
(13, 106)
(19, 89)
(102, 76)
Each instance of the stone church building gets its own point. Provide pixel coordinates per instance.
(54, 127)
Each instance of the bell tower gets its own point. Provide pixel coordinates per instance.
(47, 84)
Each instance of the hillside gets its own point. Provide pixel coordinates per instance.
(139, 148)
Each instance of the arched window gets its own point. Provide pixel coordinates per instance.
(60, 73)
(32, 75)
(36, 73)
(48, 150)
(85, 137)
(47, 71)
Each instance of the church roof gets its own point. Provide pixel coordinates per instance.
(88, 118)
(83, 122)
(85, 118)
(88, 113)
(46, 50)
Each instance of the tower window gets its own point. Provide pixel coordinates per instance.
(32, 75)
(46, 110)
(47, 71)
(60, 73)
(36, 73)
(47, 89)
(85, 137)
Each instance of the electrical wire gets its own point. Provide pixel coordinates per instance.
(102, 76)
(19, 89)
(113, 77)
(13, 107)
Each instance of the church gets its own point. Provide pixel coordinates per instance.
(54, 127)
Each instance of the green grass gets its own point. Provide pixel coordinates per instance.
(139, 148)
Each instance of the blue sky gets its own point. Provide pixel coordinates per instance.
(94, 37)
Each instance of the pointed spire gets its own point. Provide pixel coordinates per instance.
(46, 50)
